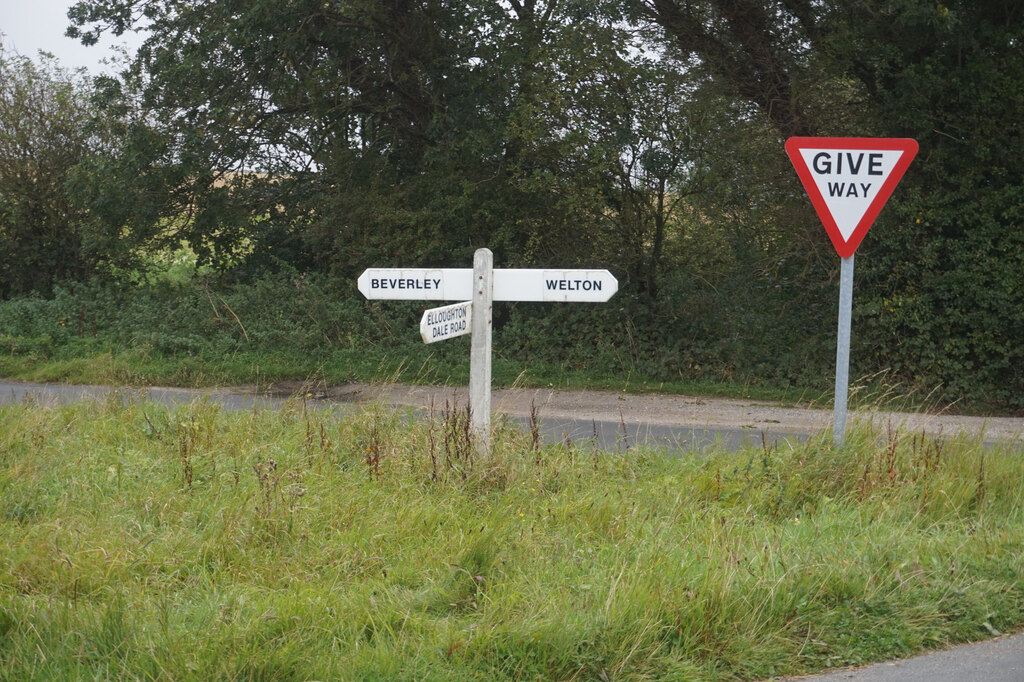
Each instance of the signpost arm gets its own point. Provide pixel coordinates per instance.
(480, 352)
(843, 351)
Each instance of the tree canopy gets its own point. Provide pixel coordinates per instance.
(48, 129)
(642, 135)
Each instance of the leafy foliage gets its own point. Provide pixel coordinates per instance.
(47, 128)
(945, 298)
(944, 288)
(641, 135)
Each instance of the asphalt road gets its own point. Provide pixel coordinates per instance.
(998, 660)
(46, 394)
(608, 435)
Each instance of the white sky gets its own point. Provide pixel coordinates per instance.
(32, 25)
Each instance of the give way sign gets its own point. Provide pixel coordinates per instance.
(849, 179)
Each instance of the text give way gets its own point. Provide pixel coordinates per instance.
(455, 284)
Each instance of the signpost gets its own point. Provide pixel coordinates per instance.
(477, 289)
(848, 180)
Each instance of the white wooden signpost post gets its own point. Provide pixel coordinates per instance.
(477, 289)
(848, 179)
(480, 351)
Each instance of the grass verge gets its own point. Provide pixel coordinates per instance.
(146, 542)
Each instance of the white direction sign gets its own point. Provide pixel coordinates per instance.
(446, 322)
(567, 286)
(454, 284)
(417, 284)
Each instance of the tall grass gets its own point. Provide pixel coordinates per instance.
(145, 542)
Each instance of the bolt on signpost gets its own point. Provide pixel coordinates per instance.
(848, 180)
(477, 289)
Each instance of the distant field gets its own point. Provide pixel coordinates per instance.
(155, 543)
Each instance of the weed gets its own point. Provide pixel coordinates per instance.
(317, 444)
(457, 438)
(374, 448)
(776, 560)
(432, 441)
(188, 436)
(267, 480)
(979, 492)
(890, 452)
(535, 429)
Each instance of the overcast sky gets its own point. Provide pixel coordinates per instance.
(32, 25)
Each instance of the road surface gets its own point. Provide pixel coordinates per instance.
(996, 660)
(669, 421)
(611, 431)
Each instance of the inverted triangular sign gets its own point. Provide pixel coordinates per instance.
(849, 179)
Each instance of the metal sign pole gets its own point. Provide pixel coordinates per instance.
(480, 351)
(843, 351)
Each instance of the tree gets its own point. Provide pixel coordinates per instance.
(758, 47)
(338, 134)
(945, 272)
(642, 134)
(48, 127)
(310, 128)
(941, 290)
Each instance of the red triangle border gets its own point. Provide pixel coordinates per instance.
(846, 248)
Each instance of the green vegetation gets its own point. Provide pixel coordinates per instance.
(293, 327)
(305, 140)
(296, 328)
(47, 128)
(145, 542)
(201, 218)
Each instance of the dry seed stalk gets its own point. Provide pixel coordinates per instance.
(267, 479)
(373, 452)
(979, 493)
(432, 442)
(535, 429)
